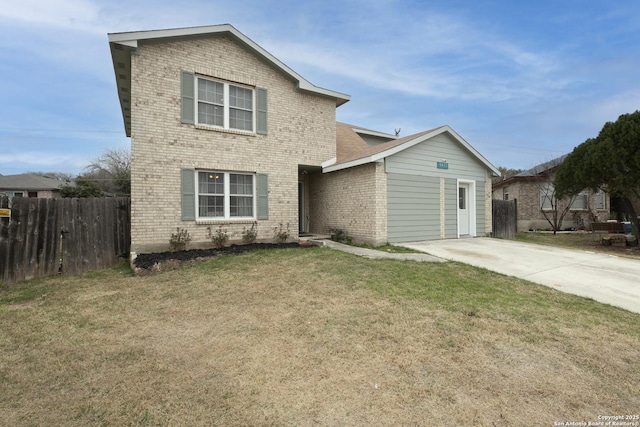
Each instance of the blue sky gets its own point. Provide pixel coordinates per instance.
(522, 82)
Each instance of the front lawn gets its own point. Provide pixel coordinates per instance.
(311, 337)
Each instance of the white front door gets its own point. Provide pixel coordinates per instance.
(463, 210)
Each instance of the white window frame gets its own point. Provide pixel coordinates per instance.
(225, 104)
(226, 195)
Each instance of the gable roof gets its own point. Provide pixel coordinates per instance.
(122, 45)
(543, 167)
(29, 181)
(535, 173)
(350, 152)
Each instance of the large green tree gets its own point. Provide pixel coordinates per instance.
(610, 161)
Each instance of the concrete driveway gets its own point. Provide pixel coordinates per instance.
(604, 278)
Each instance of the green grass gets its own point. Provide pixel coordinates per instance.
(577, 240)
(310, 337)
(388, 247)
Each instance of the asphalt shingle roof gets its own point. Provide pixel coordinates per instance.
(28, 181)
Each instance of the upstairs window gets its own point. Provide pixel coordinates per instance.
(224, 105)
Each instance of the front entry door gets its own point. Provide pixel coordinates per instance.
(463, 209)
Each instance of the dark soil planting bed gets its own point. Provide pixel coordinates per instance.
(162, 261)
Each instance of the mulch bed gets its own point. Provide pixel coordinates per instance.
(146, 264)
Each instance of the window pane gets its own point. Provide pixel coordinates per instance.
(210, 114)
(211, 206)
(240, 119)
(547, 196)
(211, 182)
(601, 199)
(240, 97)
(210, 91)
(580, 202)
(241, 206)
(241, 184)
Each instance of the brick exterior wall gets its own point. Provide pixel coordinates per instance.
(301, 130)
(531, 218)
(353, 200)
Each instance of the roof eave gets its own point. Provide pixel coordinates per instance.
(410, 143)
(121, 58)
(353, 163)
(373, 133)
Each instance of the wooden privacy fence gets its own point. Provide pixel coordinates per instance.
(505, 218)
(69, 236)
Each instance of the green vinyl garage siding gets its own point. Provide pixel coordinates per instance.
(480, 208)
(413, 208)
(414, 190)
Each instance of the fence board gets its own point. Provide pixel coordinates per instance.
(95, 233)
(51, 253)
(31, 241)
(4, 240)
(505, 218)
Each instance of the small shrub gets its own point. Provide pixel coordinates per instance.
(250, 235)
(219, 238)
(338, 235)
(179, 239)
(280, 235)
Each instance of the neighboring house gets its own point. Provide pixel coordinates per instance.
(30, 185)
(224, 135)
(533, 190)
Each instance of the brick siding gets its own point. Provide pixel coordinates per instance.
(353, 200)
(301, 130)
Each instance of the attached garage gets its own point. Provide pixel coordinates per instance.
(434, 185)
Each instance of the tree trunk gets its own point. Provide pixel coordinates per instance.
(632, 213)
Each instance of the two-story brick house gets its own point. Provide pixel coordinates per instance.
(225, 134)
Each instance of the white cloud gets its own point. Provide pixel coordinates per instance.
(468, 68)
(42, 161)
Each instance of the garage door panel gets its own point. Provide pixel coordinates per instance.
(413, 208)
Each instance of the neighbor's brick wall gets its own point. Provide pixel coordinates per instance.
(531, 218)
(301, 130)
(353, 200)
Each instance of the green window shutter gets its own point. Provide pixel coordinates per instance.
(187, 95)
(188, 191)
(261, 111)
(263, 196)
